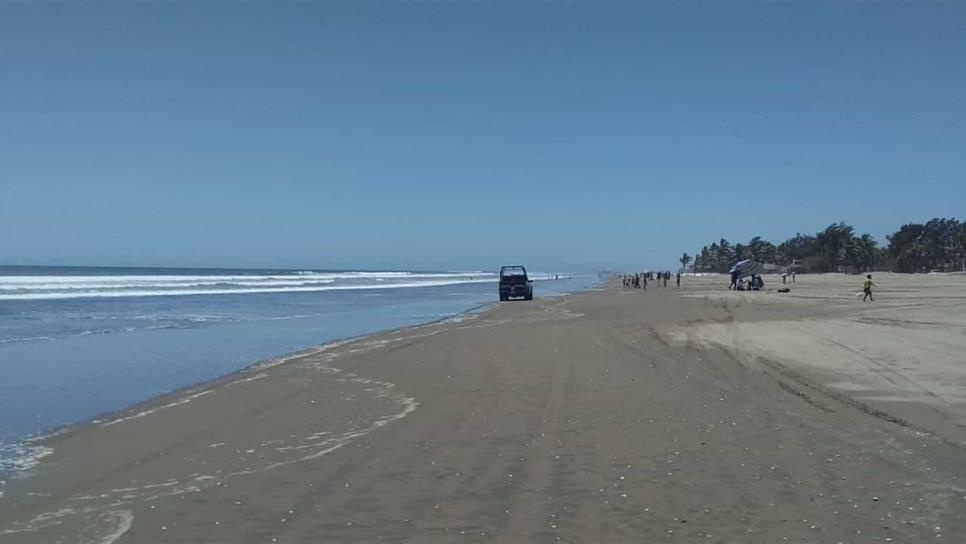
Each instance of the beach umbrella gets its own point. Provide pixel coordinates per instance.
(747, 267)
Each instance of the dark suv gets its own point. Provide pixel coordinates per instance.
(514, 283)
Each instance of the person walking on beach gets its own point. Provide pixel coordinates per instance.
(678, 279)
(867, 288)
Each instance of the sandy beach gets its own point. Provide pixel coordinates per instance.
(689, 414)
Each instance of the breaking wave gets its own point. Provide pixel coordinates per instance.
(110, 286)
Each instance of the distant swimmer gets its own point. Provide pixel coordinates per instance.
(867, 288)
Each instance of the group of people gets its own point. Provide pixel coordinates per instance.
(753, 283)
(639, 280)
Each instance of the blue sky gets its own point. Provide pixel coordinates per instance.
(467, 135)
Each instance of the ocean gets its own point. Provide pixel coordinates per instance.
(77, 342)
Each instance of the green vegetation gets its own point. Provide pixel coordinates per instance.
(939, 244)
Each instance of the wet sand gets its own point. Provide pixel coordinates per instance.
(670, 415)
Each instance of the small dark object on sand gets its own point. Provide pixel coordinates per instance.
(784, 290)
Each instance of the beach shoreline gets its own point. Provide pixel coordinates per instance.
(42, 440)
(69, 361)
(35, 447)
(613, 413)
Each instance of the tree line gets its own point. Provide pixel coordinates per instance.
(937, 245)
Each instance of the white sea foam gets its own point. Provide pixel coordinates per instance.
(67, 290)
(249, 379)
(134, 280)
(21, 457)
(62, 285)
(47, 287)
(150, 411)
(122, 521)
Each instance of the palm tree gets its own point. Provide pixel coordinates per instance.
(726, 256)
(685, 259)
(833, 243)
(868, 245)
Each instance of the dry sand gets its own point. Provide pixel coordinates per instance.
(671, 415)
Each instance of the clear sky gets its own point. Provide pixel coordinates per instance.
(465, 135)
